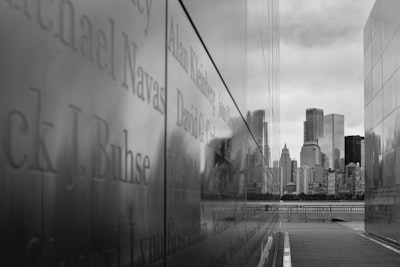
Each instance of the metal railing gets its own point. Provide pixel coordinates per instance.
(306, 213)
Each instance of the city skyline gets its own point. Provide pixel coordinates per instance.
(322, 51)
(330, 122)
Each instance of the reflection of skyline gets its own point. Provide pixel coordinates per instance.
(119, 122)
(234, 172)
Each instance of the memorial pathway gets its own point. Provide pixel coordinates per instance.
(336, 244)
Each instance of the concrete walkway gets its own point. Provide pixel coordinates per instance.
(335, 244)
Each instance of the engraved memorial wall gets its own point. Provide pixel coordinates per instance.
(121, 143)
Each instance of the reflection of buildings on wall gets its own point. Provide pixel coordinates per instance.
(313, 125)
(332, 144)
(381, 114)
(352, 147)
(225, 179)
(276, 171)
(151, 109)
(266, 147)
(257, 127)
(259, 174)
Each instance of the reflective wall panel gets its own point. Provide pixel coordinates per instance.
(255, 85)
(82, 128)
(381, 57)
(223, 38)
(208, 162)
(125, 138)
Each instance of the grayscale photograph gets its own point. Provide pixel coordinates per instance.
(199, 133)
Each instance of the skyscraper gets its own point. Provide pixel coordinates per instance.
(314, 124)
(332, 144)
(285, 164)
(352, 147)
(381, 114)
(310, 154)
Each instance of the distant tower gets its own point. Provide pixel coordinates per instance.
(285, 165)
(314, 125)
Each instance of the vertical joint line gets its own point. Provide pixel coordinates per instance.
(165, 133)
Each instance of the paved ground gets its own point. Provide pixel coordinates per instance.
(335, 244)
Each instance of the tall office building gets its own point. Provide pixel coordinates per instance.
(352, 148)
(332, 144)
(314, 124)
(381, 114)
(122, 126)
(310, 154)
(285, 165)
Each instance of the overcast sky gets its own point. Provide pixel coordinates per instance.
(321, 64)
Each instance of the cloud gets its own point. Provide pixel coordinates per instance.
(320, 23)
(321, 63)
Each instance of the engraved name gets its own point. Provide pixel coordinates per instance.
(188, 59)
(117, 161)
(97, 45)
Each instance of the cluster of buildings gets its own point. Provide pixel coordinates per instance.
(330, 163)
